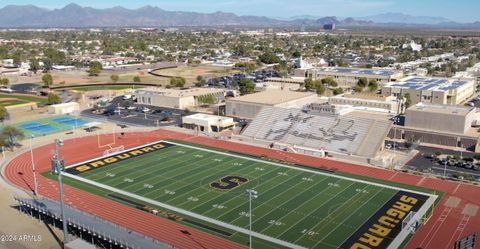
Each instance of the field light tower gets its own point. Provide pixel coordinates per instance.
(58, 167)
(251, 194)
(35, 184)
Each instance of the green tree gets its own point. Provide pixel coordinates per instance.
(178, 81)
(269, 58)
(337, 91)
(206, 99)
(4, 81)
(362, 82)
(319, 87)
(47, 79)
(53, 98)
(329, 81)
(358, 89)
(408, 100)
(3, 112)
(95, 68)
(12, 134)
(114, 78)
(308, 84)
(372, 85)
(246, 86)
(34, 66)
(137, 79)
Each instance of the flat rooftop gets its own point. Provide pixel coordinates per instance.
(272, 97)
(179, 92)
(429, 84)
(360, 71)
(444, 109)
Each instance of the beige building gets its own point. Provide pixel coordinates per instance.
(348, 77)
(175, 98)
(64, 108)
(207, 123)
(371, 102)
(441, 91)
(248, 106)
(440, 118)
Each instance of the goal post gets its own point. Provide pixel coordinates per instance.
(108, 143)
(410, 222)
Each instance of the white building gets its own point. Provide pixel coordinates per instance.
(175, 98)
(207, 123)
(413, 46)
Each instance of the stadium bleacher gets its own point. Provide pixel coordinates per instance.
(348, 135)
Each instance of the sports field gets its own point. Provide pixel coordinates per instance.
(296, 207)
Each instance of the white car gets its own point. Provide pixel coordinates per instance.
(127, 96)
(145, 109)
(6, 89)
(388, 146)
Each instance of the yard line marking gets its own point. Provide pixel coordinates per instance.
(321, 221)
(325, 189)
(187, 213)
(341, 223)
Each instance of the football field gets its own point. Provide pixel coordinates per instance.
(296, 207)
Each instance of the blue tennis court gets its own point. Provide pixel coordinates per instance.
(71, 121)
(38, 128)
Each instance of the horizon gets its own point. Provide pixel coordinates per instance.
(463, 11)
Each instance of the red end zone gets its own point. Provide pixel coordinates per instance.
(445, 226)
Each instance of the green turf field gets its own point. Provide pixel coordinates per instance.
(296, 207)
(25, 98)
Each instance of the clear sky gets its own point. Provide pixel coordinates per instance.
(457, 10)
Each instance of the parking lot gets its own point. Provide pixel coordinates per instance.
(459, 166)
(130, 113)
(231, 80)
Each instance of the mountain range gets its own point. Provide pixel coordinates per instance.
(75, 16)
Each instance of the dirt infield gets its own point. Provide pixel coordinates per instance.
(447, 224)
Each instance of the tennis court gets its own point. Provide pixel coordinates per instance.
(45, 126)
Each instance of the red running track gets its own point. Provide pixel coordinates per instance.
(445, 226)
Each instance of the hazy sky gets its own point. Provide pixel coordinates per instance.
(457, 10)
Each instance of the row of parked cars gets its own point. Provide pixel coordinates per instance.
(227, 81)
(460, 163)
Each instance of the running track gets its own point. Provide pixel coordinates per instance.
(445, 226)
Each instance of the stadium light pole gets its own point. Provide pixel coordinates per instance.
(35, 185)
(445, 169)
(58, 168)
(251, 194)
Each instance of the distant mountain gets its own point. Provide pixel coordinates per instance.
(400, 18)
(75, 16)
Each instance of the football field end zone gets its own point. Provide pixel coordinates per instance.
(396, 242)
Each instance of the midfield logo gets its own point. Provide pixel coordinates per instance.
(229, 182)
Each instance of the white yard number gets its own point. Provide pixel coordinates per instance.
(308, 179)
(363, 191)
(259, 169)
(276, 223)
(237, 164)
(146, 185)
(309, 232)
(218, 206)
(333, 185)
(282, 174)
(168, 192)
(127, 180)
(199, 156)
(217, 160)
(191, 198)
(245, 214)
(180, 152)
(110, 175)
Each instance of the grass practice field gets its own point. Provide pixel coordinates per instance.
(297, 207)
(15, 99)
